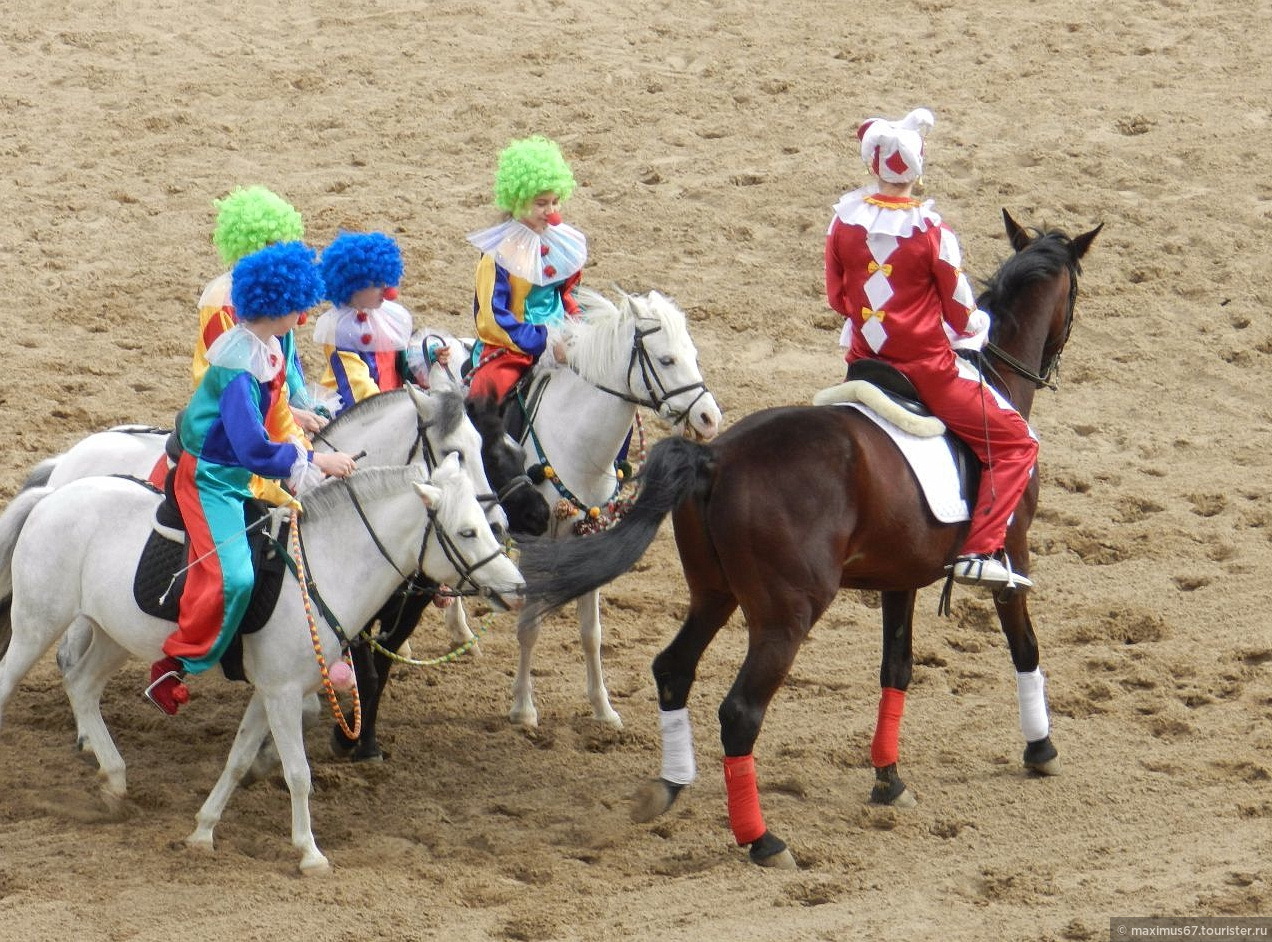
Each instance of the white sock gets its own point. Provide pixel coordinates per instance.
(678, 766)
(1032, 693)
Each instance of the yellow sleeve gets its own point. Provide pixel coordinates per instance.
(213, 321)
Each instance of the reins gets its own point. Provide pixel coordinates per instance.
(659, 394)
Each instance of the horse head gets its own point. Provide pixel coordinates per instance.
(505, 463)
(474, 560)
(641, 351)
(1031, 299)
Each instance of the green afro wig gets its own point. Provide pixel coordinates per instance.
(527, 168)
(251, 218)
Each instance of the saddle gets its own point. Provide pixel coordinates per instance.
(897, 387)
(160, 577)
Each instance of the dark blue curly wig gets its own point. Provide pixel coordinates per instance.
(276, 281)
(357, 260)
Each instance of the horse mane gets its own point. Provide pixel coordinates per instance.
(1048, 253)
(370, 484)
(450, 410)
(597, 340)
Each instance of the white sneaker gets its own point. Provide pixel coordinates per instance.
(977, 569)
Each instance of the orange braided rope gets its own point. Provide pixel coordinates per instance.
(322, 661)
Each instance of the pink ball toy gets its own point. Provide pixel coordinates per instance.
(341, 675)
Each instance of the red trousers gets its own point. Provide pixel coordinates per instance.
(497, 372)
(1000, 439)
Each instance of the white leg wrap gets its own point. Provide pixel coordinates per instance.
(1032, 692)
(678, 766)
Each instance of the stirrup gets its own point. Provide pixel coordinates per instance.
(983, 570)
(177, 676)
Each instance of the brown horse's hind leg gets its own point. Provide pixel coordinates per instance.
(896, 668)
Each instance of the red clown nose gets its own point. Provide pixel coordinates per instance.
(304, 317)
(390, 294)
(554, 219)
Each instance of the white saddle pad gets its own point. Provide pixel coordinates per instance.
(932, 463)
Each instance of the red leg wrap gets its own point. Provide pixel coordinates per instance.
(745, 816)
(884, 749)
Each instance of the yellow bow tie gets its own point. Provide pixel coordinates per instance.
(867, 313)
(875, 266)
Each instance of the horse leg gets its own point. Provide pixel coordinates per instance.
(284, 712)
(457, 624)
(674, 671)
(896, 668)
(398, 620)
(523, 711)
(247, 743)
(84, 682)
(1041, 755)
(770, 653)
(589, 611)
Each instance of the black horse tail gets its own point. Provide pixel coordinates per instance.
(558, 571)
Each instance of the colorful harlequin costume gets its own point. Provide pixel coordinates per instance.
(364, 347)
(525, 279)
(893, 272)
(225, 442)
(249, 219)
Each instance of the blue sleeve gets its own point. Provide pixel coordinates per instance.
(531, 339)
(244, 428)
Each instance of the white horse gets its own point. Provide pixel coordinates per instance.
(395, 428)
(636, 353)
(74, 549)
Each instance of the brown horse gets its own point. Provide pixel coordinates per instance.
(790, 505)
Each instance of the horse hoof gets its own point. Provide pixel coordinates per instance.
(528, 719)
(199, 843)
(652, 799)
(782, 860)
(905, 799)
(374, 754)
(1042, 757)
(316, 866)
(610, 719)
(771, 851)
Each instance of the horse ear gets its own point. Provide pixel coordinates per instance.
(430, 494)
(423, 403)
(1016, 234)
(1083, 242)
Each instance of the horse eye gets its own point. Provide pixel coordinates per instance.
(666, 360)
(456, 452)
(468, 533)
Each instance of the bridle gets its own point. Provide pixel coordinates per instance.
(658, 395)
(1047, 376)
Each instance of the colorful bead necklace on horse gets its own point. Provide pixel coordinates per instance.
(792, 504)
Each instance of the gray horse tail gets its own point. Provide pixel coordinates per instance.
(11, 523)
(41, 473)
(558, 571)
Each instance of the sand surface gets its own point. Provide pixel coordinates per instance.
(709, 139)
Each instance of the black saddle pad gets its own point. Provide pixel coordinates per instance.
(159, 582)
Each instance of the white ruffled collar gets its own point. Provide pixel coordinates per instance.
(387, 327)
(541, 259)
(240, 349)
(880, 215)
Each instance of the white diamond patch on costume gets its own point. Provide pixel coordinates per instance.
(878, 291)
(874, 333)
(932, 462)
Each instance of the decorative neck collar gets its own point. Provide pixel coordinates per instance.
(546, 258)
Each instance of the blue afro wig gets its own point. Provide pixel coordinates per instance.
(357, 260)
(276, 281)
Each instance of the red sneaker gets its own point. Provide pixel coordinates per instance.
(166, 690)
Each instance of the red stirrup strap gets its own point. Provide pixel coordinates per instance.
(745, 816)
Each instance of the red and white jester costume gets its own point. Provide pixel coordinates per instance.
(893, 270)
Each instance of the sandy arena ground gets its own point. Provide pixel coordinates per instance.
(710, 139)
